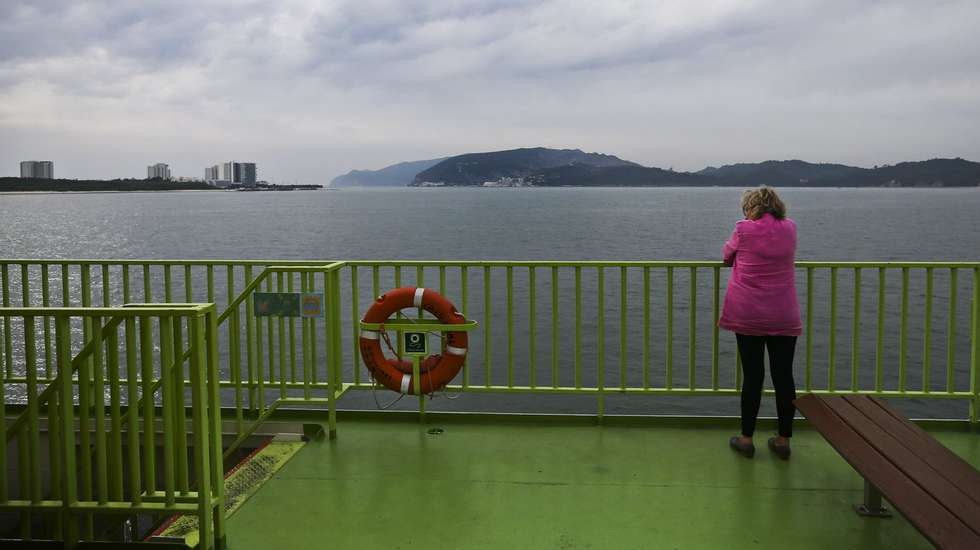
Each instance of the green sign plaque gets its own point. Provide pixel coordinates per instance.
(415, 343)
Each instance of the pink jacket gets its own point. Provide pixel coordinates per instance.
(761, 295)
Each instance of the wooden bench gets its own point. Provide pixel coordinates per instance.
(936, 490)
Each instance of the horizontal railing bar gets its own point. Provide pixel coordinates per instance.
(302, 400)
(128, 508)
(95, 507)
(306, 268)
(677, 391)
(644, 263)
(188, 310)
(90, 261)
(584, 389)
(17, 380)
(159, 496)
(471, 263)
(424, 325)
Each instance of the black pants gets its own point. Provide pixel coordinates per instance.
(781, 348)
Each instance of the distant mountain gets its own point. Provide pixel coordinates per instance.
(781, 173)
(926, 173)
(477, 168)
(797, 173)
(544, 167)
(400, 174)
(615, 176)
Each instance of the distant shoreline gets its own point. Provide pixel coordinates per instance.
(746, 186)
(10, 185)
(99, 191)
(20, 185)
(407, 187)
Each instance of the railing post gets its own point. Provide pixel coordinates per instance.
(217, 496)
(601, 344)
(975, 350)
(951, 331)
(335, 355)
(532, 327)
(168, 397)
(7, 351)
(856, 331)
(199, 419)
(808, 377)
(69, 485)
(669, 361)
(355, 313)
(3, 433)
(832, 345)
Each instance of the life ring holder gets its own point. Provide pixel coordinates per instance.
(418, 376)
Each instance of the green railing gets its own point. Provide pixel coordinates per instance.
(121, 405)
(680, 301)
(605, 329)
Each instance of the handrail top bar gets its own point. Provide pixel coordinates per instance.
(320, 265)
(185, 305)
(131, 310)
(306, 268)
(424, 325)
(892, 264)
(648, 263)
(204, 262)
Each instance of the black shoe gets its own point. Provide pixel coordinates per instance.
(782, 451)
(748, 451)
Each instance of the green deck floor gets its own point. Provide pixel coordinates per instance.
(390, 485)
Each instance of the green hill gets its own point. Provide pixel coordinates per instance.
(782, 173)
(542, 167)
(477, 168)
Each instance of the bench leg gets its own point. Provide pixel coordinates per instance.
(872, 503)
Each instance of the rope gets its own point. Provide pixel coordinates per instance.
(394, 351)
(374, 386)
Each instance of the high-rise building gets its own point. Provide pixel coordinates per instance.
(211, 173)
(158, 171)
(248, 173)
(232, 171)
(42, 169)
(239, 172)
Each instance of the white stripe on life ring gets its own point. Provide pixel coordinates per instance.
(406, 381)
(417, 302)
(369, 334)
(455, 351)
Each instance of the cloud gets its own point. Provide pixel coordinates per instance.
(309, 89)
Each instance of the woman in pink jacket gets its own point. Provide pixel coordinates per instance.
(761, 309)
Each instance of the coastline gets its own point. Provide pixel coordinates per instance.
(84, 192)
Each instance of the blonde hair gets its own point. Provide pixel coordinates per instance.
(762, 200)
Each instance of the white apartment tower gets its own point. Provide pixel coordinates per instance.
(41, 169)
(232, 171)
(158, 171)
(239, 172)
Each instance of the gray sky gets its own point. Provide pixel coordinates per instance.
(310, 89)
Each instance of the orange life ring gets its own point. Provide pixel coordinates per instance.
(435, 370)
